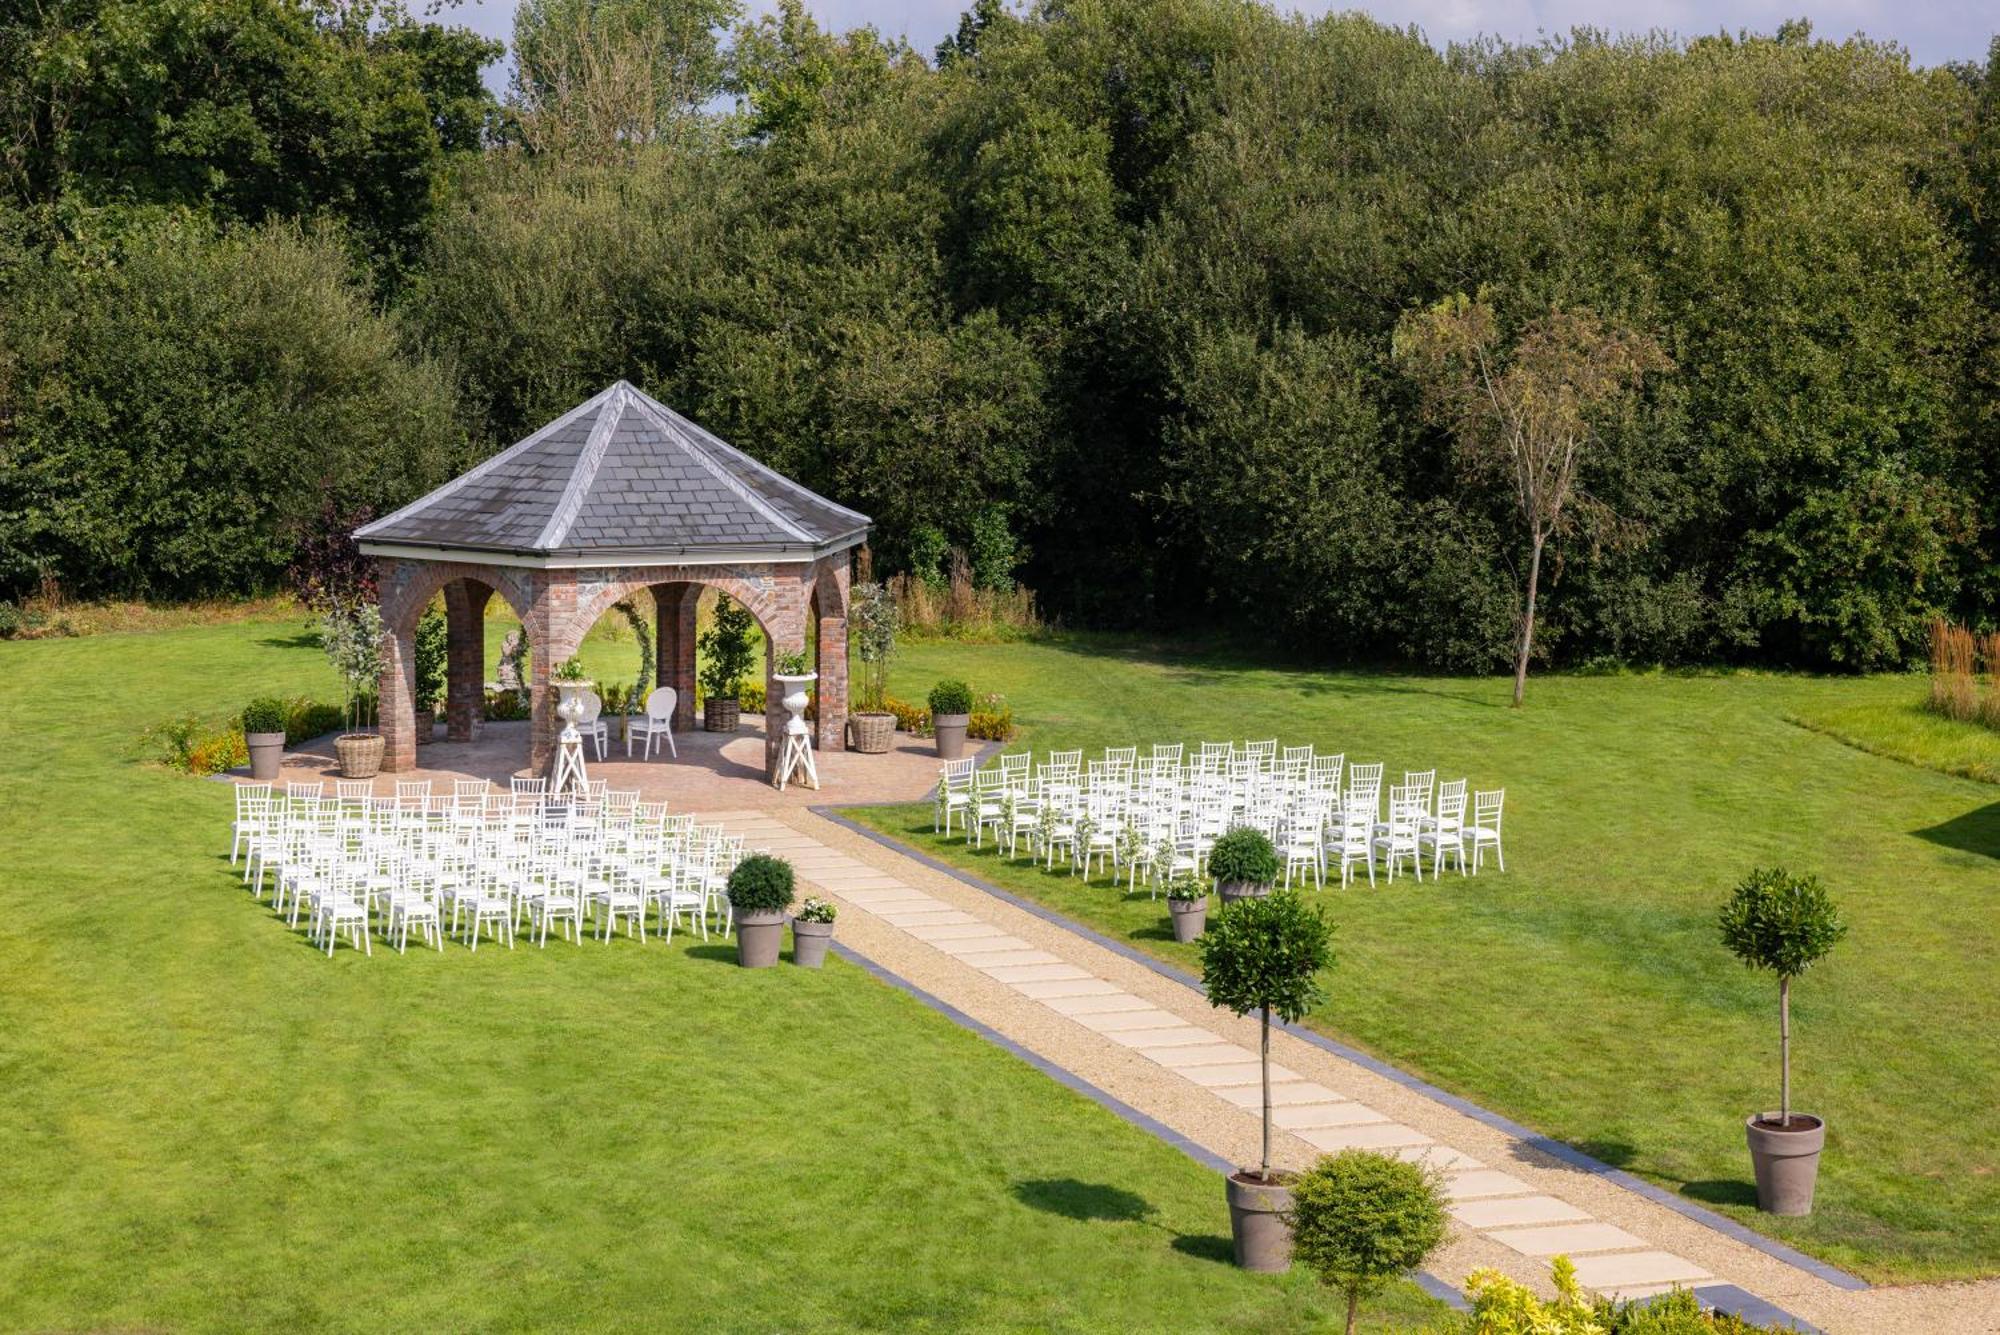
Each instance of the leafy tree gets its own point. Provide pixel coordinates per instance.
(1266, 955)
(1530, 413)
(1786, 924)
(1361, 1219)
(599, 80)
(725, 649)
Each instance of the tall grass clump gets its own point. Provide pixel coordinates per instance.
(955, 608)
(1954, 665)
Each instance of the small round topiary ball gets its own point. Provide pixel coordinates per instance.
(762, 883)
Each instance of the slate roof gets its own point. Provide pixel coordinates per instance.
(622, 475)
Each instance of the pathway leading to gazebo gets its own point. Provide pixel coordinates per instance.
(1153, 1043)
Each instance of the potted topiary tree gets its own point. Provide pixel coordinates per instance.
(872, 623)
(1786, 924)
(350, 633)
(725, 648)
(1187, 905)
(760, 890)
(1360, 1219)
(264, 736)
(1265, 954)
(1243, 864)
(812, 932)
(951, 711)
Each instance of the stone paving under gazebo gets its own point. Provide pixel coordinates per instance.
(620, 496)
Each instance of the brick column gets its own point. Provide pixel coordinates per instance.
(553, 636)
(673, 642)
(830, 649)
(465, 662)
(396, 694)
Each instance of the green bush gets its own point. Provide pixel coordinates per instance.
(306, 719)
(433, 648)
(264, 714)
(762, 884)
(1187, 887)
(10, 620)
(1243, 855)
(1502, 1306)
(950, 697)
(725, 648)
(1361, 1219)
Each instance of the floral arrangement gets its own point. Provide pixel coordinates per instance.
(816, 909)
(570, 669)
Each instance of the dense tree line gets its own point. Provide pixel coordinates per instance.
(1111, 285)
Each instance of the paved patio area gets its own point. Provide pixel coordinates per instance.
(715, 771)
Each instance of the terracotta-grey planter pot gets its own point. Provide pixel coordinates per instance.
(1231, 891)
(1190, 917)
(721, 715)
(266, 749)
(360, 754)
(809, 943)
(1257, 1224)
(759, 938)
(949, 730)
(1786, 1162)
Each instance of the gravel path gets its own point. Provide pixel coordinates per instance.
(1157, 1045)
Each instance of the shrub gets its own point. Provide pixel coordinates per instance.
(10, 620)
(1786, 924)
(762, 884)
(306, 719)
(950, 697)
(264, 714)
(433, 648)
(1360, 1219)
(1501, 1306)
(816, 909)
(750, 698)
(195, 746)
(913, 719)
(1265, 955)
(725, 648)
(992, 720)
(1187, 887)
(1243, 855)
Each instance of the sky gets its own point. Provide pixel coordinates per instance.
(1934, 31)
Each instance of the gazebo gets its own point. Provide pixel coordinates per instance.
(619, 495)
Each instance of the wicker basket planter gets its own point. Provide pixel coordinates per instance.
(426, 726)
(360, 754)
(873, 733)
(721, 715)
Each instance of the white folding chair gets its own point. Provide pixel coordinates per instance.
(1484, 828)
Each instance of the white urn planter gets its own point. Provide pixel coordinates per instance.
(796, 760)
(570, 708)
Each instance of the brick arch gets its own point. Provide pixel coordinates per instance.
(769, 593)
(405, 588)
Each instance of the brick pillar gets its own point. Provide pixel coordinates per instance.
(396, 693)
(465, 662)
(553, 636)
(673, 641)
(830, 651)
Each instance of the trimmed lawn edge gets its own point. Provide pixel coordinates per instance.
(1977, 772)
(1728, 1227)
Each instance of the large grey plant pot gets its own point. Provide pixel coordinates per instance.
(949, 730)
(759, 937)
(1786, 1162)
(1257, 1224)
(1190, 917)
(267, 749)
(1231, 891)
(809, 943)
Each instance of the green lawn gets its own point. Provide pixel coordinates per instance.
(210, 1126)
(1583, 992)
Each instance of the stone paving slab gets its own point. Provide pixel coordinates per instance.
(1150, 1018)
(1096, 1005)
(1609, 1270)
(1567, 1239)
(957, 931)
(1174, 1035)
(981, 959)
(934, 918)
(966, 946)
(1314, 1116)
(1298, 1091)
(1442, 1157)
(1515, 1211)
(1484, 1182)
(1228, 1073)
(1370, 1136)
(1034, 973)
(1069, 987)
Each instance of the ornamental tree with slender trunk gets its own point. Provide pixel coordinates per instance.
(1265, 955)
(1528, 411)
(1786, 924)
